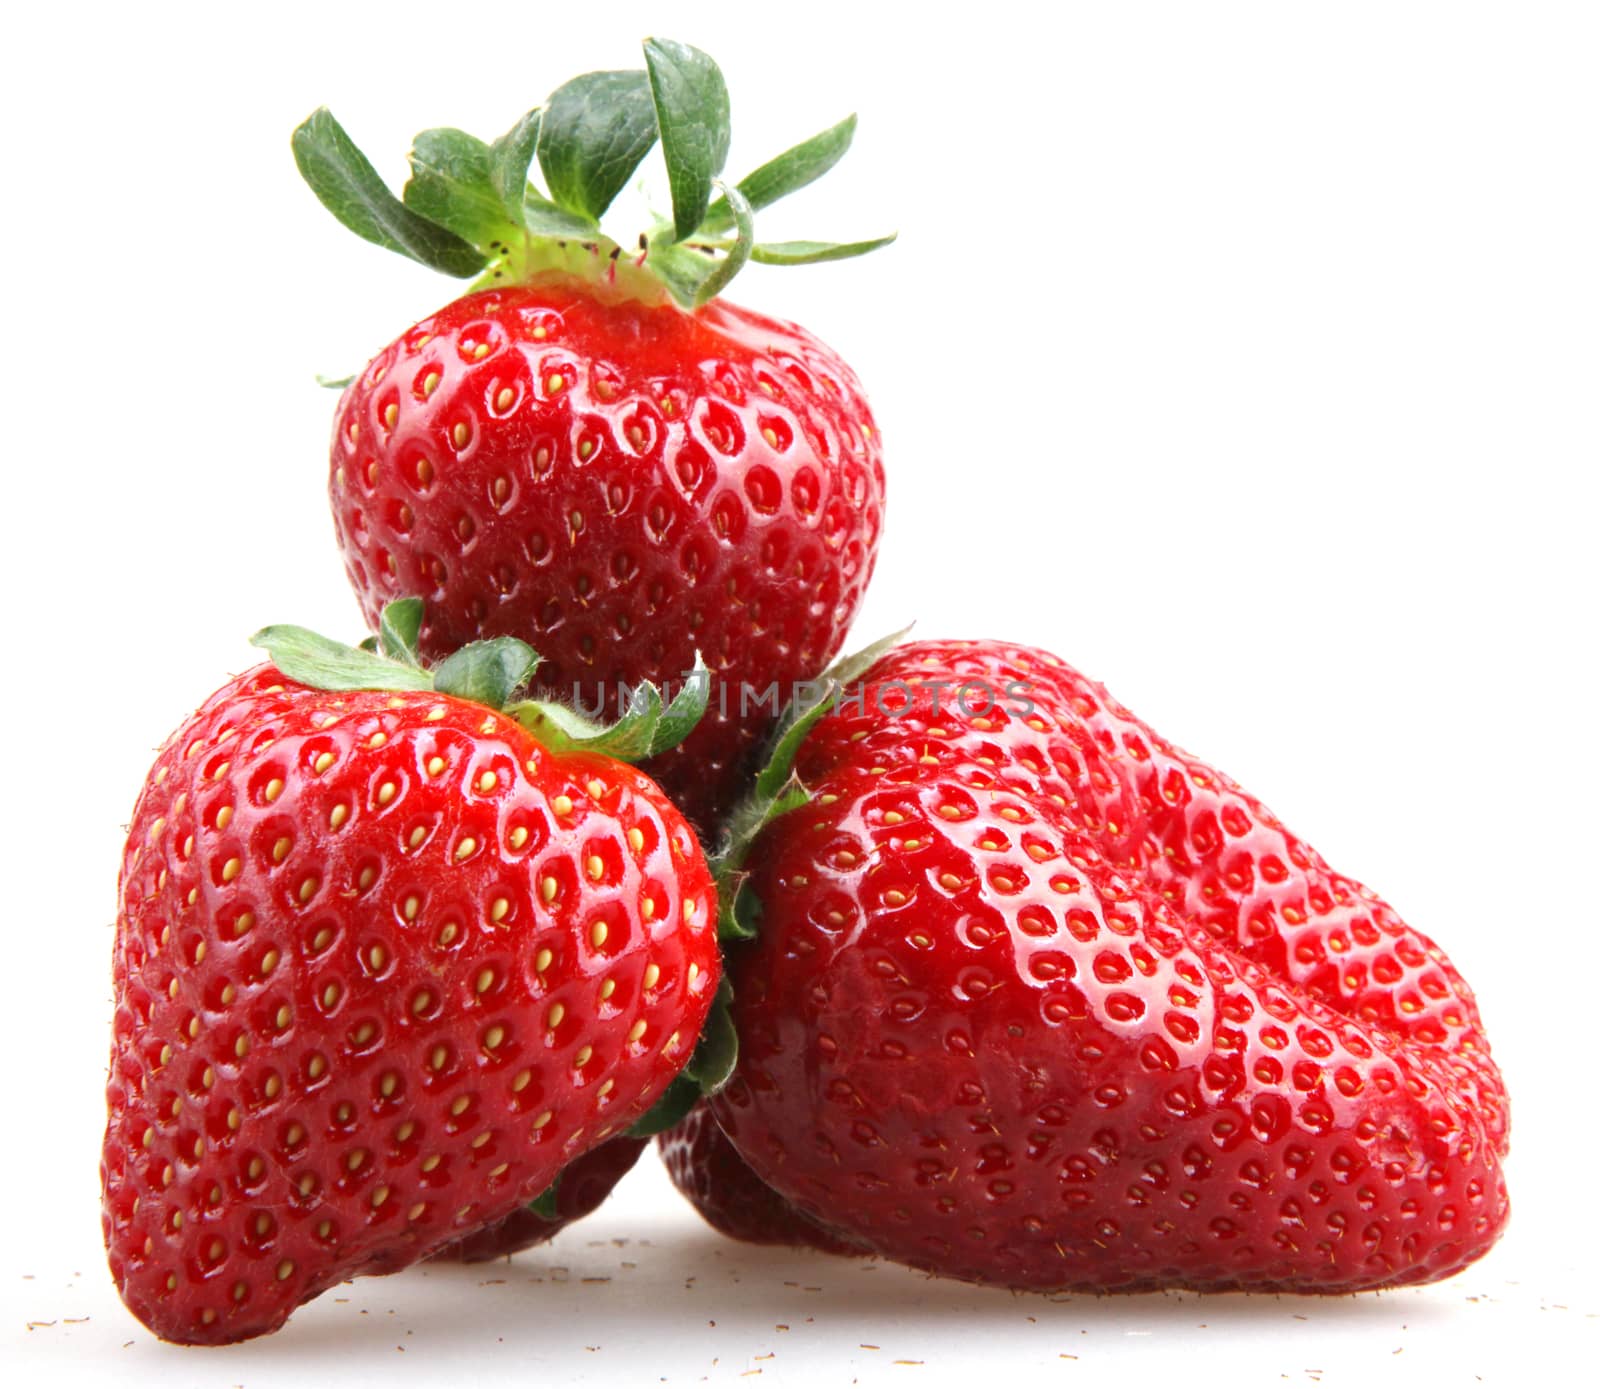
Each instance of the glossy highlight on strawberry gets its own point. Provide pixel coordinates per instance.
(1038, 998)
(384, 967)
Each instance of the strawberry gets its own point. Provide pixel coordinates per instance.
(1037, 998)
(588, 450)
(719, 1184)
(580, 1190)
(393, 949)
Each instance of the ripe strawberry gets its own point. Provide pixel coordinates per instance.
(1039, 999)
(590, 451)
(580, 1190)
(719, 1184)
(386, 962)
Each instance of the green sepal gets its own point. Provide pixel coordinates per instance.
(349, 187)
(777, 790)
(594, 132)
(333, 383)
(510, 158)
(453, 184)
(696, 275)
(814, 252)
(399, 627)
(680, 1096)
(647, 727)
(486, 672)
(787, 173)
(325, 664)
(544, 1204)
(691, 106)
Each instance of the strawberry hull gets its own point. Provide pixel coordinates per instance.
(1039, 999)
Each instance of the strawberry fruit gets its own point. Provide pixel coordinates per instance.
(589, 450)
(1037, 998)
(386, 962)
(720, 1185)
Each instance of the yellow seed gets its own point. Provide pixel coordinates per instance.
(421, 1001)
(487, 782)
(435, 766)
(466, 848)
(689, 906)
(337, 816)
(404, 1132)
(519, 1082)
(541, 961)
(389, 1084)
(223, 816)
(285, 1268)
(481, 1139)
(498, 909)
(409, 908)
(282, 1016)
(595, 866)
(562, 805)
(323, 762)
(391, 415)
(316, 1066)
(597, 934)
(555, 382)
(447, 932)
(547, 888)
(542, 1120)
(582, 1058)
(607, 988)
(519, 836)
(636, 839)
(280, 850)
(430, 1162)
(430, 383)
(386, 793)
(380, 1195)
(415, 1213)
(369, 875)
(652, 972)
(274, 790)
(459, 435)
(637, 1030)
(605, 1089)
(308, 889)
(647, 908)
(494, 1036)
(484, 981)
(503, 398)
(596, 788)
(557, 1012)
(417, 836)
(230, 870)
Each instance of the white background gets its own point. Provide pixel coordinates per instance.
(1245, 355)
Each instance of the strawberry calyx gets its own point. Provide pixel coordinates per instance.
(493, 672)
(470, 210)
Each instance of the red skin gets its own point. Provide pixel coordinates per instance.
(630, 516)
(313, 1110)
(1086, 1016)
(719, 1184)
(582, 1190)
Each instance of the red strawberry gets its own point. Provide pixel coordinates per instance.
(580, 1190)
(1039, 999)
(719, 1184)
(591, 452)
(385, 964)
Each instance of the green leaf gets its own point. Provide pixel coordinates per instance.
(544, 1204)
(696, 277)
(674, 1105)
(691, 104)
(350, 188)
(647, 727)
(452, 183)
(486, 672)
(543, 218)
(789, 172)
(399, 625)
(594, 132)
(330, 665)
(717, 1052)
(813, 252)
(509, 160)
